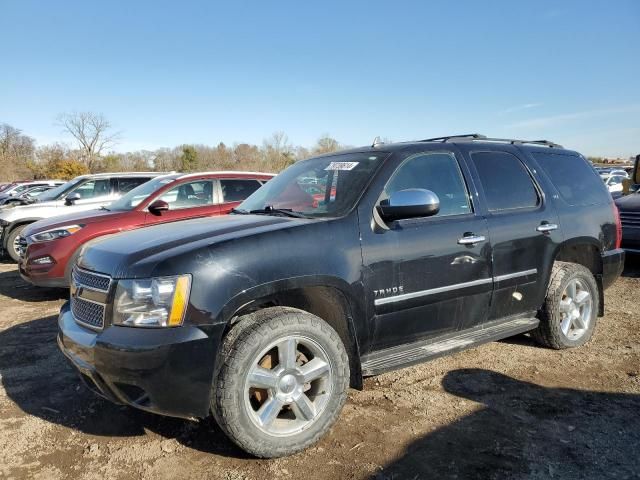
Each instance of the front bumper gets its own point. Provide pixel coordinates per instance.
(612, 266)
(52, 274)
(167, 371)
(40, 278)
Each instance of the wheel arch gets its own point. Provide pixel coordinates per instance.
(13, 225)
(325, 297)
(584, 251)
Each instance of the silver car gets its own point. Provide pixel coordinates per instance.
(86, 192)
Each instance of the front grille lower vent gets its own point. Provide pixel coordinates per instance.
(88, 313)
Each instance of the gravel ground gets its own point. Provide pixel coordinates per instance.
(508, 409)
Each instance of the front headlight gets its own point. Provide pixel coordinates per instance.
(55, 233)
(152, 302)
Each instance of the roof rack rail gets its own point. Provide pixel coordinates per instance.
(483, 138)
(472, 136)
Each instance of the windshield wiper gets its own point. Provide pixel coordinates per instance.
(104, 208)
(239, 211)
(269, 210)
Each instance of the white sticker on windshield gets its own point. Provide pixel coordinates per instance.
(342, 165)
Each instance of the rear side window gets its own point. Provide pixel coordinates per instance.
(506, 182)
(575, 180)
(238, 190)
(127, 184)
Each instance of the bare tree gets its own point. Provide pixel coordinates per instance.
(326, 144)
(277, 151)
(16, 153)
(92, 131)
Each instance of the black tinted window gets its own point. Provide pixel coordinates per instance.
(438, 172)
(576, 181)
(238, 190)
(505, 181)
(125, 185)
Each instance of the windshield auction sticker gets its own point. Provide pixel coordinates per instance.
(342, 165)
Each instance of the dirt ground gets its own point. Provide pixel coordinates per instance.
(509, 409)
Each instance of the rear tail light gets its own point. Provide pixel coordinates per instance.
(616, 214)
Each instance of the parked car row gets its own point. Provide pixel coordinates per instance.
(83, 193)
(19, 193)
(49, 248)
(342, 266)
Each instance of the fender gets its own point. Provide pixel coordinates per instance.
(355, 316)
(592, 262)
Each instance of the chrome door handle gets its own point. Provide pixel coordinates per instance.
(471, 239)
(547, 227)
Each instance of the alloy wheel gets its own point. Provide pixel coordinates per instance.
(575, 308)
(288, 386)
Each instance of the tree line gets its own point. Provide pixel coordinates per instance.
(94, 138)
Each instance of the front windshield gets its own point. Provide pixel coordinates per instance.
(318, 187)
(34, 192)
(58, 192)
(21, 189)
(136, 196)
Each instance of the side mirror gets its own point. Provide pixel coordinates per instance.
(409, 203)
(72, 198)
(157, 207)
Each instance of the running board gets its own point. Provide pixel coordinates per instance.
(413, 353)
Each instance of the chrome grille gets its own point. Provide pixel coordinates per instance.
(88, 313)
(89, 296)
(630, 219)
(91, 280)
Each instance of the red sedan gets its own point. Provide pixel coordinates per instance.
(50, 247)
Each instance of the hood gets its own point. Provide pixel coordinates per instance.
(629, 203)
(40, 210)
(31, 211)
(135, 253)
(79, 218)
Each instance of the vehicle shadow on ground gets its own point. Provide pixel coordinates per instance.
(12, 286)
(523, 430)
(36, 376)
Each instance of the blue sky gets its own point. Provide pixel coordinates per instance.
(168, 73)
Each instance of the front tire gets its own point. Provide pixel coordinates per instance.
(568, 317)
(282, 381)
(12, 243)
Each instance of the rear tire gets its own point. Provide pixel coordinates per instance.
(281, 383)
(12, 243)
(568, 316)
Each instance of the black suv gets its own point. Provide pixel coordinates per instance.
(629, 207)
(343, 266)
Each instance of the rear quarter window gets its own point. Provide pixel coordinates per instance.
(237, 190)
(576, 181)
